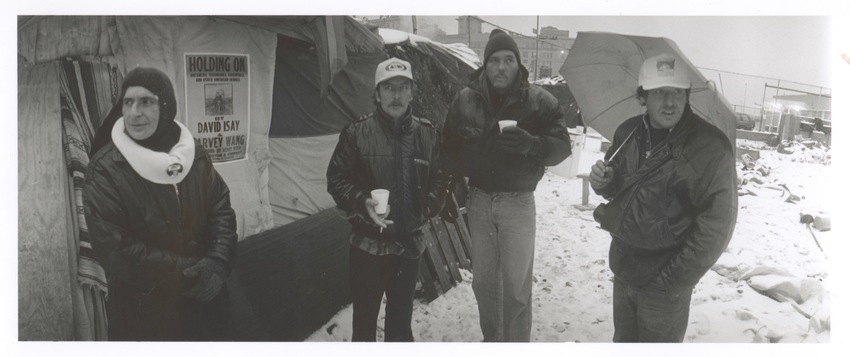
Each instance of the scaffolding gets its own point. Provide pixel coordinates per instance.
(801, 103)
(779, 96)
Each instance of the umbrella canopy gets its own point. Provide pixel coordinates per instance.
(602, 73)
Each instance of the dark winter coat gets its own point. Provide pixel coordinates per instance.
(469, 137)
(146, 233)
(367, 157)
(671, 215)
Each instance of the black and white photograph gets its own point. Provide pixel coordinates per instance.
(577, 177)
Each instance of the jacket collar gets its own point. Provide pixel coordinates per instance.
(404, 125)
(676, 139)
(198, 153)
(519, 89)
(158, 167)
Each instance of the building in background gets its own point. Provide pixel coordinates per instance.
(542, 61)
(401, 23)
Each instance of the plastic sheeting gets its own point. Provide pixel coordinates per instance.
(298, 175)
(567, 102)
(298, 110)
(161, 42)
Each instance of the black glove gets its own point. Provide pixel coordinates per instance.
(515, 140)
(211, 274)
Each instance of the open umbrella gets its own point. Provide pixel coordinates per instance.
(602, 73)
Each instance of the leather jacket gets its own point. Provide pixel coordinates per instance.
(672, 214)
(365, 158)
(144, 232)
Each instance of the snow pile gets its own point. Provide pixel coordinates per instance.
(458, 50)
(550, 80)
(805, 151)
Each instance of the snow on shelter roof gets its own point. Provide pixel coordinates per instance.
(458, 50)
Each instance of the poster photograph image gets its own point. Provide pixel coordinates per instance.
(217, 97)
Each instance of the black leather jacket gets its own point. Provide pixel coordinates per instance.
(471, 126)
(670, 215)
(143, 231)
(364, 159)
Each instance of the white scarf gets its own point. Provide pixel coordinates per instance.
(158, 167)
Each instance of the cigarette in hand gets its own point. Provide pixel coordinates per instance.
(381, 230)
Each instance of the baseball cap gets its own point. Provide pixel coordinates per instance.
(664, 70)
(392, 67)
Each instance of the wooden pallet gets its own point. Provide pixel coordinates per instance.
(447, 251)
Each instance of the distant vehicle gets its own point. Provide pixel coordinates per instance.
(745, 121)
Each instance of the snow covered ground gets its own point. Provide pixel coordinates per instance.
(771, 253)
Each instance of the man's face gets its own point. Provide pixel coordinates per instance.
(395, 95)
(665, 106)
(141, 112)
(502, 68)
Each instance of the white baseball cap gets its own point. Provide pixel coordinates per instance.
(392, 67)
(664, 70)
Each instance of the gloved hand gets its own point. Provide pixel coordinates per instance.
(515, 140)
(211, 274)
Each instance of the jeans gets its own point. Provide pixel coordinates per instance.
(648, 313)
(372, 276)
(502, 227)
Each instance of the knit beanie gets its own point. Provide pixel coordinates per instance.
(499, 40)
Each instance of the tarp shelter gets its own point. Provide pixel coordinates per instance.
(304, 78)
(79, 62)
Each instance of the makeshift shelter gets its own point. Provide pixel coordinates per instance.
(79, 61)
(289, 86)
(558, 87)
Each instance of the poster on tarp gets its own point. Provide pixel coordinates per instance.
(218, 101)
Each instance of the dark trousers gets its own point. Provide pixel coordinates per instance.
(649, 314)
(371, 277)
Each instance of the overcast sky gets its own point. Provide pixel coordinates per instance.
(793, 48)
(752, 48)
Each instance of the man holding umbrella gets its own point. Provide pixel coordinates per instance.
(503, 167)
(671, 184)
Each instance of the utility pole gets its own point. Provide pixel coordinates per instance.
(537, 49)
(468, 32)
(414, 23)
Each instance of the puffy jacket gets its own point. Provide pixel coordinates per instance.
(144, 232)
(670, 215)
(364, 159)
(469, 137)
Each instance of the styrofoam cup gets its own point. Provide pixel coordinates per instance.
(382, 196)
(506, 124)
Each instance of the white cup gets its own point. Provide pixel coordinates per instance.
(506, 124)
(382, 196)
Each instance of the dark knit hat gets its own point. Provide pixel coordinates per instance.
(158, 83)
(499, 40)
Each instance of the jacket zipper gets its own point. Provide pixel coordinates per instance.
(177, 191)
